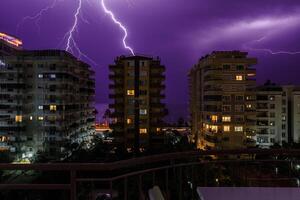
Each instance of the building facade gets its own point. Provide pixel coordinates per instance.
(272, 115)
(223, 100)
(47, 100)
(137, 90)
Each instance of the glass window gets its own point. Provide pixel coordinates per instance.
(143, 111)
(41, 107)
(240, 67)
(239, 108)
(214, 118)
(40, 75)
(18, 118)
(239, 98)
(238, 129)
(143, 130)
(226, 128)
(129, 121)
(226, 118)
(226, 108)
(226, 67)
(226, 98)
(53, 107)
(239, 77)
(40, 118)
(272, 114)
(130, 92)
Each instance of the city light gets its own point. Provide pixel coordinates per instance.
(10, 39)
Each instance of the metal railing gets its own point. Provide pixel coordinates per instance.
(121, 171)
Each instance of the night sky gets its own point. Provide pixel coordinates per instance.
(179, 31)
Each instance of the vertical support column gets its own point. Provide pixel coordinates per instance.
(125, 188)
(180, 183)
(111, 189)
(153, 178)
(140, 187)
(167, 183)
(73, 191)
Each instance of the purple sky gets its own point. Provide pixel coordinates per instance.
(179, 31)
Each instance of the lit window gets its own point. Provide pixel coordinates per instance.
(249, 106)
(226, 128)
(143, 130)
(129, 121)
(238, 129)
(214, 118)
(158, 129)
(239, 77)
(40, 76)
(226, 118)
(41, 107)
(41, 118)
(30, 118)
(18, 118)
(143, 111)
(214, 128)
(52, 76)
(53, 107)
(130, 92)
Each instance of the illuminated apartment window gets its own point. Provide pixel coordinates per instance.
(129, 121)
(52, 76)
(130, 92)
(248, 106)
(158, 129)
(239, 77)
(18, 118)
(143, 111)
(40, 75)
(214, 128)
(53, 107)
(3, 139)
(143, 130)
(226, 128)
(30, 118)
(41, 107)
(238, 129)
(214, 118)
(226, 118)
(40, 118)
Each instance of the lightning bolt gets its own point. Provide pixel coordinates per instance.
(71, 45)
(269, 50)
(37, 17)
(111, 14)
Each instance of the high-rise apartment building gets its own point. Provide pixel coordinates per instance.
(223, 100)
(47, 100)
(137, 91)
(272, 115)
(278, 114)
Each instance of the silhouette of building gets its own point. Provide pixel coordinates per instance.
(137, 94)
(47, 99)
(223, 100)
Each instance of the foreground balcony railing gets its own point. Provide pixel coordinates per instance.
(177, 174)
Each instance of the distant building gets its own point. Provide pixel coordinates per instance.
(223, 100)
(272, 115)
(137, 91)
(47, 99)
(278, 114)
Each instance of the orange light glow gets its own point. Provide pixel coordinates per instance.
(11, 40)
